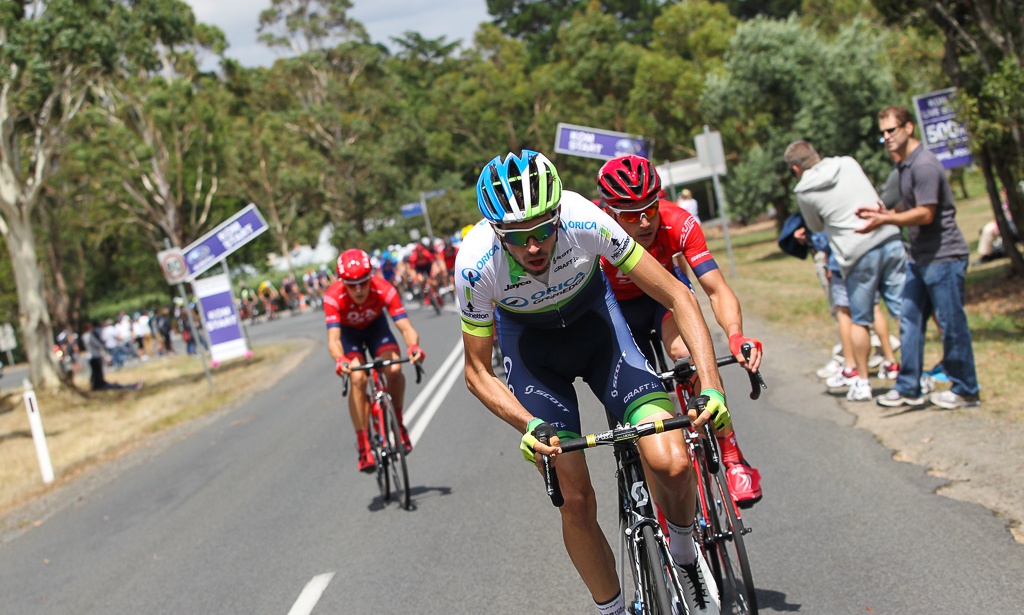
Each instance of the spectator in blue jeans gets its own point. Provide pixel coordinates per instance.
(935, 273)
(829, 193)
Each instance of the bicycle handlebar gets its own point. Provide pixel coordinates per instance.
(379, 364)
(684, 369)
(619, 434)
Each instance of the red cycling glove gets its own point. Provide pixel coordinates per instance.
(415, 349)
(342, 361)
(736, 340)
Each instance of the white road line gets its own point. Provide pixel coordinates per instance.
(443, 374)
(311, 594)
(435, 403)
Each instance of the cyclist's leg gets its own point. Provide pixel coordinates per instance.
(539, 379)
(383, 344)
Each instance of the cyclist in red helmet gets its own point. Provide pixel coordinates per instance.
(630, 189)
(354, 308)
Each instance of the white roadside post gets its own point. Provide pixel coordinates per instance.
(38, 436)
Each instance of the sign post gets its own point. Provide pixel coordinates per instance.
(596, 143)
(38, 435)
(418, 208)
(941, 133)
(711, 153)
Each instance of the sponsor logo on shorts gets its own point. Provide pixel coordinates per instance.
(532, 390)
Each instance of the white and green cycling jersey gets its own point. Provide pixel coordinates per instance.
(487, 277)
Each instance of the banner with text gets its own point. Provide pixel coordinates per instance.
(220, 319)
(229, 236)
(597, 143)
(941, 133)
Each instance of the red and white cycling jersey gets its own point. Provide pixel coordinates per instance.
(678, 232)
(341, 311)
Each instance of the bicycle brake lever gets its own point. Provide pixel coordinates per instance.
(551, 482)
(711, 456)
(419, 372)
(756, 381)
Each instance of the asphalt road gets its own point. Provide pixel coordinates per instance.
(260, 510)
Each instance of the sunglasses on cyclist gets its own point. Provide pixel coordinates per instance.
(521, 237)
(359, 282)
(635, 215)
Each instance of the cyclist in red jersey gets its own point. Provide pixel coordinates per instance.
(354, 308)
(630, 189)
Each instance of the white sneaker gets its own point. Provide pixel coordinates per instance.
(860, 390)
(699, 589)
(927, 384)
(889, 371)
(844, 378)
(831, 368)
(894, 342)
(876, 359)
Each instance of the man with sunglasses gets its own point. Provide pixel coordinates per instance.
(936, 268)
(630, 189)
(533, 270)
(354, 307)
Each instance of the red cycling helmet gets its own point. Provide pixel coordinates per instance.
(628, 179)
(354, 265)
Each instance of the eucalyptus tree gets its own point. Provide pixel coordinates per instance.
(783, 81)
(165, 127)
(51, 55)
(984, 59)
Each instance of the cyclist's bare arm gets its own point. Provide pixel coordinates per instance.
(492, 392)
(409, 334)
(727, 312)
(664, 288)
(334, 343)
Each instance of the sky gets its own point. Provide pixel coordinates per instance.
(454, 19)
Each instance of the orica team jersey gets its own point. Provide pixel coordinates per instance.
(341, 311)
(487, 278)
(678, 232)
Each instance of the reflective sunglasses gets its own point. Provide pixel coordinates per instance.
(635, 215)
(521, 237)
(358, 282)
(885, 132)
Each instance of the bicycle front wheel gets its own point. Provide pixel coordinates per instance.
(657, 600)
(376, 434)
(736, 584)
(397, 469)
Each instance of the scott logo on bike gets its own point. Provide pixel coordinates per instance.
(639, 493)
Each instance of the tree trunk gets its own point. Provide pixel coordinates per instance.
(36, 331)
(986, 160)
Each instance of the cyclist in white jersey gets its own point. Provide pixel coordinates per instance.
(533, 269)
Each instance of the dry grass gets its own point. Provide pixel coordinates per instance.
(784, 291)
(83, 429)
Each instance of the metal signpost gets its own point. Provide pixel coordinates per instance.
(941, 133)
(410, 210)
(596, 143)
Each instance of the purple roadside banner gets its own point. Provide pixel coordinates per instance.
(220, 319)
(229, 236)
(941, 133)
(596, 143)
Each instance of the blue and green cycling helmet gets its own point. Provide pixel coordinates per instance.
(519, 188)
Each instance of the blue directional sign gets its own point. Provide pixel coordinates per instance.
(597, 143)
(412, 209)
(229, 236)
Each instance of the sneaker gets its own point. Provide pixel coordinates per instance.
(927, 384)
(830, 369)
(744, 483)
(366, 461)
(895, 399)
(844, 378)
(888, 371)
(938, 374)
(860, 391)
(894, 342)
(699, 589)
(876, 359)
(951, 401)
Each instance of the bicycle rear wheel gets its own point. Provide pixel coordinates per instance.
(657, 600)
(732, 568)
(398, 470)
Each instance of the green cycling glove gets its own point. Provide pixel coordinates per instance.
(720, 417)
(535, 430)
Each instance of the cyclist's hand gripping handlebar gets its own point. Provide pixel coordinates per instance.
(756, 381)
(711, 457)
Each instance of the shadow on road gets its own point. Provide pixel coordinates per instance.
(379, 503)
(774, 601)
